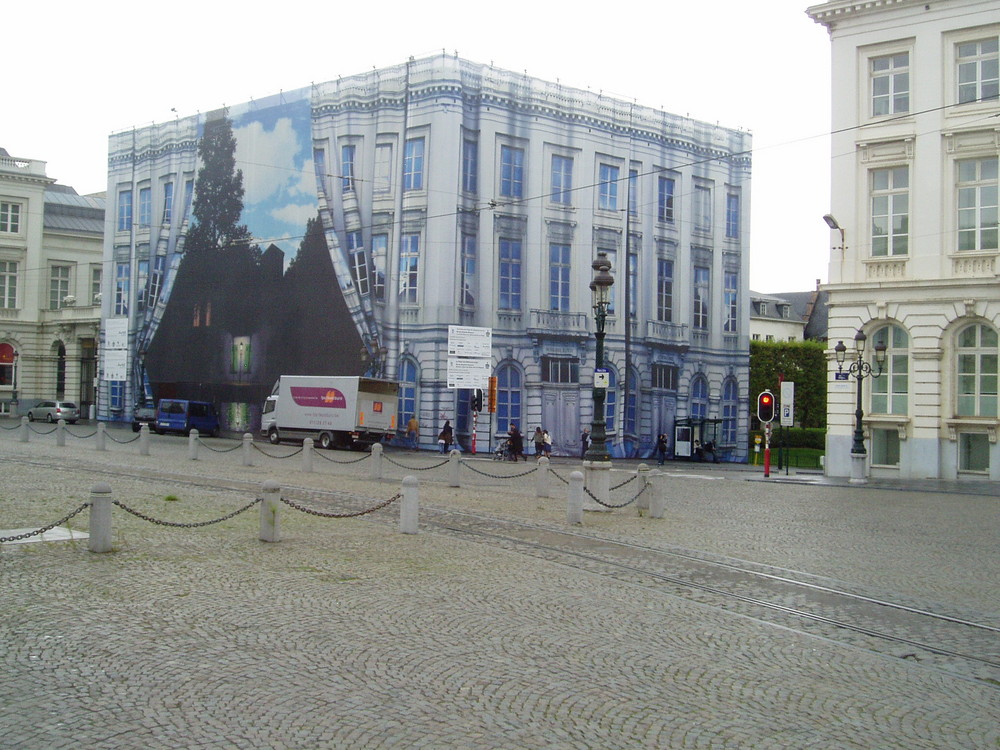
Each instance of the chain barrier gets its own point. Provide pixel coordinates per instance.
(219, 450)
(388, 458)
(615, 507)
(82, 437)
(36, 532)
(321, 514)
(331, 459)
(269, 455)
(38, 432)
(144, 517)
(499, 476)
(619, 486)
(123, 442)
(9, 428)
(557, 476)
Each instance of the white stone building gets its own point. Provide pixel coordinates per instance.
(916, 138)
(457, 193)
(51, 254)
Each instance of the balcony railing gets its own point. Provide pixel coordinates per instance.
(658, 331)
(557, 323)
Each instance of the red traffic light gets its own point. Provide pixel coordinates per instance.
(765, 407)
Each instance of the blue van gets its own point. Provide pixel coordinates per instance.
(179, 415)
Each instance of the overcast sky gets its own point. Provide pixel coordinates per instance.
(85, 70)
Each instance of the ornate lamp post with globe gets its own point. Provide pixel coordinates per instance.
(860, 369)
(597, 460)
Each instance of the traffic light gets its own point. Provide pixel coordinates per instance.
(765, 407)
(477, 400)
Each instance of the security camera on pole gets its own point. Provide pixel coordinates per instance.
(765, 413)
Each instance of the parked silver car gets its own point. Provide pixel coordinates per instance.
(53, 411)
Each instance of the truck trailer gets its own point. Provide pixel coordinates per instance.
(344, 412)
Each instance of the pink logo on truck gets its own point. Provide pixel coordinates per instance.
(328, 398)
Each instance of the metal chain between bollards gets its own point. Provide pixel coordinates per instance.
(619, 486)
(322, 514)
(557, 476)
(82, 437)
(499, 476)
(123, 442)
(15, 427)
(39, 432)
(36, 532)
(219, 450)
(269, 455)
(333, 460)
(615, 507)
(389, 458)
(144, 517)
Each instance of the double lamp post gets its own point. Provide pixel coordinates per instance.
(860, 369)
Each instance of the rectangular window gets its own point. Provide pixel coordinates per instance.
(141, 278)
(703, 209)
(359, 262)
(977, 204)
(116, 394)
(380, 250)
(733, 216)
(58, 286)
(613, 292)
(121, 288)
(633, 192)
(664, 290)
(168, 201)
(347, 167)
(702, 303)
(560, 370)
(510, 275)
(10, 218)
(188, 195)
(890, 82)
(96, 277)
(665, 200)
(156, 280)
(562, 179)
(633, 283)
(470, 166)
(383, 168)
(978, 70)
(409, 262)
(890, 211)
(468, 270)
(319, 167)
(511, 172)
(890, 391)
(731, 302)
(885, 447)
(665, 377)
(8, 284)
(413, 164)
(607, 197)
(559, 277)
(974, 452)
(124, 210)
(145, 206)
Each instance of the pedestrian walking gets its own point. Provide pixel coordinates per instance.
(661, 448)
(539, 440)
(584, 442)
(445, 436)
(546, 443)
(516, 440)
(413, 432)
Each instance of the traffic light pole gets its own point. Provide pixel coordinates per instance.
(767, 449)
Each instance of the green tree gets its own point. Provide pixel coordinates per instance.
(804, 363)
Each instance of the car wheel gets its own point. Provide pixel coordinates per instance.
(325, 440)
(49, 419)
(273, 437)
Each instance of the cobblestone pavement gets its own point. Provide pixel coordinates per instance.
(350, 634)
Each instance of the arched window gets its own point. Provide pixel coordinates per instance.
(611, 401)
(890, 391)
(508, 398)
(730, 410)
(408, 379)
(699, 397)
(977, 372)
(631, 408)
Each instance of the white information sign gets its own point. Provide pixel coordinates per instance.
(469, 373)
(787, 403)
(115, 364)
(116, 334)
(601, 378)
(469, 341)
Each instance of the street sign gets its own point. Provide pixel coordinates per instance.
(601, 378)
(787, 418)
(470, 341)
(469, 373)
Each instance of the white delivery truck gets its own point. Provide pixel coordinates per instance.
(336, 412)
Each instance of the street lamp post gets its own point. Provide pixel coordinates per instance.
(860, 369)
(13, 386)
(600, 289)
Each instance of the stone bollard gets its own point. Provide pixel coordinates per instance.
(247, 446)
(642, 502)
(144, 440)
(193, 445)
(658, 502)
(61, 433)
(100, 518)
(409, 508)
(307, 455)
(542, 478)
(270, 525)
(102, 433)
(574, 504)
(454, 467)
(375, 470)
(598, 475)
(24, 429)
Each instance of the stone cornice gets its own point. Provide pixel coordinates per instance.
(829, 13)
